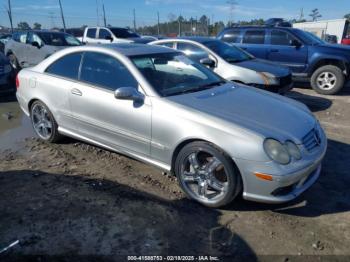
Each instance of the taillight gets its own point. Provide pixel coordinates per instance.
(17, 81)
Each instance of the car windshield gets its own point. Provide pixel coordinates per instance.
(59, 39)
(310, 38)
(123, 33)
(173, 73)
(229, 53)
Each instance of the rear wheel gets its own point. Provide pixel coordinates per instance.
(328, 80)
(43, 122)
(207, 175)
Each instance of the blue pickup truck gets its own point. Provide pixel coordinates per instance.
(326, 66)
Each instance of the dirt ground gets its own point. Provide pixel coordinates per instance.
(75, 202)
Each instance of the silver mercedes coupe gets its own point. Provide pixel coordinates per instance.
(220, 139)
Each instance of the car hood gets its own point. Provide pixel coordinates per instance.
(265, 114)
(334, 49)
(261, 65)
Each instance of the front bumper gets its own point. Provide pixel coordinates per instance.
(285, 84)
(286, 184)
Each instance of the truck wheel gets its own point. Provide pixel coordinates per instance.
(328, 80)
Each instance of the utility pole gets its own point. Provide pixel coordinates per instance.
(64, 23)
(232, 4)
(9, 12)
(301, 17)
(134, 12)
(104, 15)
(158, 26)
(97, 14)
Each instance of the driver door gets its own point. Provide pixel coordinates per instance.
(98, 115)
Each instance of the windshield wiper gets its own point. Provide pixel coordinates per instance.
(199, 88)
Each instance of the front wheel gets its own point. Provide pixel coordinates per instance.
(43, 122)
(328, 80)
(14, 62)
(207, 175)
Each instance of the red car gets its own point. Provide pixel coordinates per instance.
(346, 40)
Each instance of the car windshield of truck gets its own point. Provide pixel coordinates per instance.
(174, 74)
(310, 38)
(230, 54)
(58, 39)
(123, 33)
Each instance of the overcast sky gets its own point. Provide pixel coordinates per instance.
(119, 12)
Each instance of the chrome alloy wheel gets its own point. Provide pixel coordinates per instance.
(41, 121)
(326, 80)
(204, 177)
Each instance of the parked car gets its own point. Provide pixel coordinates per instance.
(346, 40)
(3, 40)
(326, 66)
(157, 105)
(26, 49)
(232, 63)
(107, 35)
(7, 84)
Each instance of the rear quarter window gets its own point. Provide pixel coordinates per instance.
(67, 66)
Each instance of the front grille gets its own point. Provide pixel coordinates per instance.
(286, 80)
(312, 139)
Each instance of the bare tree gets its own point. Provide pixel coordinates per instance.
(315, 14)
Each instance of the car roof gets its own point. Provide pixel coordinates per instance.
(133, 49)
(259, 27)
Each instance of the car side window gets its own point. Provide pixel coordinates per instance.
(105, 71)
(279, 37)
(231, 36)
(67, 66)
(103, 33)
(91, 33)
(254, 37)
(34, 38)
(194, 52)
(23, 38)
(169, 44)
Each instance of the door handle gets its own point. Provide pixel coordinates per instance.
(76, 92)
(274, 50)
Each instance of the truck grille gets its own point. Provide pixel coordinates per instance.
(312, 139)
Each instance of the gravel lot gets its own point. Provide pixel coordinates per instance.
(75, 202)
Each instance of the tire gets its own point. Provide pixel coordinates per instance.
(42, 119)
(328, 80)
(14, 62)
(207, 175)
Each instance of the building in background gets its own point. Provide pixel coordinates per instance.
(337, 29)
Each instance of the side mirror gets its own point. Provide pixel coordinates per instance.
(108, 37)
(295, 43)
(207, 62)
(36, 44)
(128, 93)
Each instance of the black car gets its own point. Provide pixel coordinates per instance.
(6, 76)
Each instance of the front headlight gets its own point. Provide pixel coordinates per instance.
(293, 150)
(276, 151)
(268, 77)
